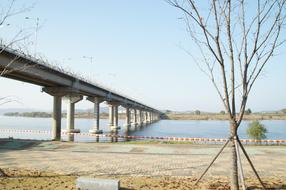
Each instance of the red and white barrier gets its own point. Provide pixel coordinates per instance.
(204, 140)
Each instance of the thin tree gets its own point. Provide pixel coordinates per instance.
(17, 38)
(234, 41)
(7, 11)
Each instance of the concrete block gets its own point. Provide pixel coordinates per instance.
(89, 183)
(94, 131)
(71, 130)
(114, 128)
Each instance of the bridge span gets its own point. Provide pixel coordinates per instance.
(61, 85)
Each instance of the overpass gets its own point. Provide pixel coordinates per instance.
(62, 85)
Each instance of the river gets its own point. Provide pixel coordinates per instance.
(164, 128)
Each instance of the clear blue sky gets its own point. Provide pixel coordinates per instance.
(135, 47)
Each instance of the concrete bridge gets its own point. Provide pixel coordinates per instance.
(61, 85)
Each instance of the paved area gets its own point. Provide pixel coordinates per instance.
(135, 159)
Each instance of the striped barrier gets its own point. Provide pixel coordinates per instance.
(184, 139)
(24, 131)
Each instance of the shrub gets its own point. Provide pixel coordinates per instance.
(248, 111)
(197, 112)
(256, 130)
(222, 112)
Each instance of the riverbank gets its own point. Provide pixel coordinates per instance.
(138, 166)
(224, 117)
(168, 116)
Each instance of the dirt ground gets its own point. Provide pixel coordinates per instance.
(32, 180)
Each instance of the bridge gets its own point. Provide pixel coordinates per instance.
(61, 85)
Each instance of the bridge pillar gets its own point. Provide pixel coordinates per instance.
(141, 118)
(56, 118)
(58, 92)
(127, 118)
(71, 101)
(135, 117)
(113, 116)
(146, 117)
(115, 121)
(96, 101)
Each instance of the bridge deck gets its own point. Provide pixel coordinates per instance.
(27, 69)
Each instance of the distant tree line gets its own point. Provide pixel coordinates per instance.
(29, 114)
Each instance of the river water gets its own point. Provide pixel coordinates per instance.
(164, 128)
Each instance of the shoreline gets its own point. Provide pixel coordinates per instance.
(220, 117)
(181, 117)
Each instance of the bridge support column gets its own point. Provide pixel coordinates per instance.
(96, 101)
(115, 121)
(139, 118)
(135, 118)
(113, 116)
(150, 117)
(127, 118)
(143, 118)
(57, 118)
(158, 117)
(146, 117)
(71, 101)
(58, 92)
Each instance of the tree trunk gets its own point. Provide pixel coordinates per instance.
(234, 168)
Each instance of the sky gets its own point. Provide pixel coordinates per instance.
(136, 48)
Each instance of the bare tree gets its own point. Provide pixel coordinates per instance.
(18, 38)
(7, 11)
(235, 40)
